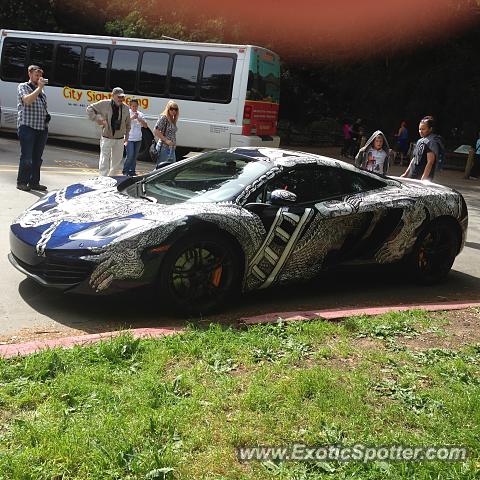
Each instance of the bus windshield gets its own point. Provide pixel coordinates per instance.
(264, 76)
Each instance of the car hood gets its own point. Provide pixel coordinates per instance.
(60, 217)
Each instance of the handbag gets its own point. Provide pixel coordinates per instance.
(154, 153)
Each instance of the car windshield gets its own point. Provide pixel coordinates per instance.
(212, 177)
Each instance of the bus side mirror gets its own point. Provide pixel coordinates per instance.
(282, 198)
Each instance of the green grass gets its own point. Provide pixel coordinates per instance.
(177, 407)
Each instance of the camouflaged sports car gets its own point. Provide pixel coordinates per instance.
(234, 220)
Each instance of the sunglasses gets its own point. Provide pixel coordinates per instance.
(173, 108)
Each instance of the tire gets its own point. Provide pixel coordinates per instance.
(434, 253)
(144, 153)
(200, 273)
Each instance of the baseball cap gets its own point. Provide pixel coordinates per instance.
(118, 91)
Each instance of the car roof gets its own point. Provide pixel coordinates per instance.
(288, 158)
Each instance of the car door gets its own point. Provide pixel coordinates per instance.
(284, 224)
(339, 224)
(378, 205)
(321, 228)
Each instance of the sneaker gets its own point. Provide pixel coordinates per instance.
(40, 188)
(23, 186)
(472, 178)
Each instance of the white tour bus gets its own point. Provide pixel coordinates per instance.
(228, 95)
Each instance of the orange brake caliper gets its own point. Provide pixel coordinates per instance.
(216, 276)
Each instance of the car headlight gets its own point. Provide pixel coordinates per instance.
(112, 228)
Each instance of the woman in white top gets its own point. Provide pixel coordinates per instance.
(134, 139)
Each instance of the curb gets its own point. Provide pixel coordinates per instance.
(21, 349)
(337, 314)
(27, 348)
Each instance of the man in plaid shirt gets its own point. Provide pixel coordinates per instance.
(32, 127)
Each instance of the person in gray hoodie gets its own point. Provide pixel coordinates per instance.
(113, 115)
(374, 156)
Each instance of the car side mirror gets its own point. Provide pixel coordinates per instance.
(282, 197)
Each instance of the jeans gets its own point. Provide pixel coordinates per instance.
(32, 143)
(131, 160)
(166, 154)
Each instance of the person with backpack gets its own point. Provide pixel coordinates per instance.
(429, 151)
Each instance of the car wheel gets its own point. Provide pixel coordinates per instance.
(434, 253)
(200, 273)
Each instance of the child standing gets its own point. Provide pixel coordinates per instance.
(374, 155)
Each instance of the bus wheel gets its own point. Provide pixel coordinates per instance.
(200, 273)
(144, 153)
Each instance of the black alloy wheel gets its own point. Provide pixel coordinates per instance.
(434, 253)
(200, 273)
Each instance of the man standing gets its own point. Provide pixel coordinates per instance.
(32, 126)
(113, 115)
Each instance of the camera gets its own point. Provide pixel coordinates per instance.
(46, 81)
(48, 117)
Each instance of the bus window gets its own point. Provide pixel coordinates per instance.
(153, 74)
(264, 77)
(217, 76)
(184, 75)
(124, 69)
(66, 65)
(41, 54)
(14, 58)
(94, 71)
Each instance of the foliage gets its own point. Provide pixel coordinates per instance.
(384, 85)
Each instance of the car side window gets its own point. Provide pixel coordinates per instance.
(310, 183)
(354, 182)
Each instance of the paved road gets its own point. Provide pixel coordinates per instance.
(26, 309)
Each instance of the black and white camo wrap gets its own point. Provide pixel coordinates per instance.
(312, 235)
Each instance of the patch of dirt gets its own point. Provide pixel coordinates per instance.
(367, 343)
(463, 328)
(354, 358)
(38, 334)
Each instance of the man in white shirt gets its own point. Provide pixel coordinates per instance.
(134, 138)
